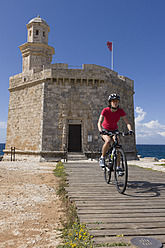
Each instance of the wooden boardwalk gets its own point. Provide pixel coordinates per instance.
(113, 217)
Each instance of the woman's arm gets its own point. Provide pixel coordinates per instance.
(125, 118)
(101, 118)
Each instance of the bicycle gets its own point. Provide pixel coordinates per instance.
(112, 162)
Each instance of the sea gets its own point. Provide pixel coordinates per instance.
(157, 151)
(2, 147)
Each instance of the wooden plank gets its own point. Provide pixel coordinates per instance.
(119, 205)
(141, 225)
(135, 219)
(122, 211)
(86, 198)
(106, 208)
(127, 232)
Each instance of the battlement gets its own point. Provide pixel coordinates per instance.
(61, 71)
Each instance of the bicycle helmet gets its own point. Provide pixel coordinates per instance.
(113, 96)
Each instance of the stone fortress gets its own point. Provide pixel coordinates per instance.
(53, 108)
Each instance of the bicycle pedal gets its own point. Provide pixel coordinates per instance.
(120, 173)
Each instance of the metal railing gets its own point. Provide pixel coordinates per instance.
(12, 153)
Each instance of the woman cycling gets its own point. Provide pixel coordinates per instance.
(108, 122)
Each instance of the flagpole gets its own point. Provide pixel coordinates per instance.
(110, 47)
(112, 57)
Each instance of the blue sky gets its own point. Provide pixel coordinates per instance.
(79, 31)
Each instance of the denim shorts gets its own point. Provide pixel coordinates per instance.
(113, 131)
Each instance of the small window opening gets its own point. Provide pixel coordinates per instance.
(89, 138)
(43, 33)
(30, 33)
(37, 32)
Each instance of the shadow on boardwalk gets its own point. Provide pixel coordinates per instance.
(145, 187)
(113, 217)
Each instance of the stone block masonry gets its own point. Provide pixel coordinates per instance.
(53, 107)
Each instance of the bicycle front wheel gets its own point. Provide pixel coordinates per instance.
(121, 171)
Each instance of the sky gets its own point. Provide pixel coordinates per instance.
(79, 31)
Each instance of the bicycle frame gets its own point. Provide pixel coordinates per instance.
(113, 160)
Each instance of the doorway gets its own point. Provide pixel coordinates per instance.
(74, 141)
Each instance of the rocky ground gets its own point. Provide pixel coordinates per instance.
(150, 163)
(30, 210)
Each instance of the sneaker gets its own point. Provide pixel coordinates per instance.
(102, 162)
(120, 171)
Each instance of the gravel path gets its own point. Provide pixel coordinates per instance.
(30, 210)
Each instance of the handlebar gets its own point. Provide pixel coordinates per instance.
(116, 133)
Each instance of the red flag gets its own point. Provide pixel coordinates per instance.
(109, 44)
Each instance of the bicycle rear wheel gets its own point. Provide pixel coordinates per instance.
(107, 171)
(121, 175)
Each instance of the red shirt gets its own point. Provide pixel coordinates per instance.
(111, 118)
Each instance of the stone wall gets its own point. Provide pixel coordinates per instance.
(24, 129)
(36, 55)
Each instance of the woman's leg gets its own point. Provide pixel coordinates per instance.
(106, 145)
(105, 148)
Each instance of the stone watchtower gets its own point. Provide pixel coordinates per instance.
(36, 53)
(53, 107)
